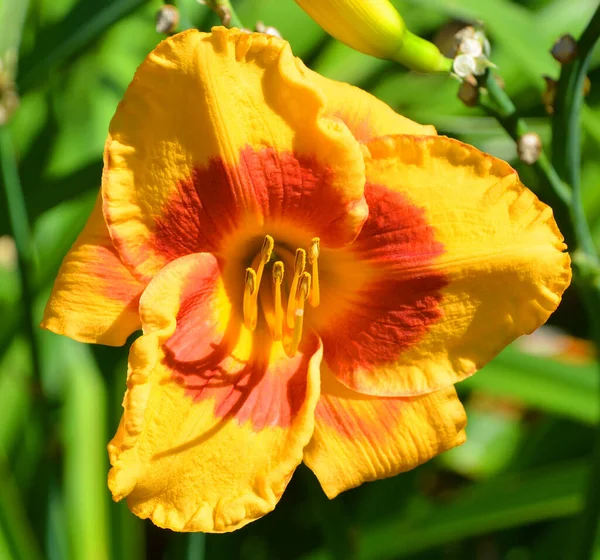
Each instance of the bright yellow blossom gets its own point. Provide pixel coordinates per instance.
(311, 273)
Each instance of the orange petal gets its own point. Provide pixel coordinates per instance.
(215, 418)
(366, 116)
(359, 438)
(95, 298)
(218, 131)
(457, 260)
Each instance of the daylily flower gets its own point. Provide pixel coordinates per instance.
(311, 272)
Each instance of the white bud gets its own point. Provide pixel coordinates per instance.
(529, 148)
(471, 46)
(464, 65)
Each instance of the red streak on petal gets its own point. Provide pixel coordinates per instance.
(204, 363)
(266, 187)
(113, 279)
(350, 421)
(393, 312)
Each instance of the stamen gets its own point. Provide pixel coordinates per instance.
(250, 304)
(303, 291)
(299, 265)
(265, 255)
(262, 258)
(277, 280)
(313, 259)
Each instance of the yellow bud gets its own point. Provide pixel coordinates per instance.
(375, 27)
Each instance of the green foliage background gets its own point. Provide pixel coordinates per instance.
(512, 491)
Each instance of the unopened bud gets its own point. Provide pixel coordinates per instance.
(376, 28)
(468, 92)
(565, 49)
(167, 19)
(267, 29)
(472, 53)
(529, 148)
(464, 65)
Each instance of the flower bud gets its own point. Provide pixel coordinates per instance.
(564, 49)
(267, 29)
(529, 148)
(167, 19)
(375, 27)
(468, 92)
(472, 53)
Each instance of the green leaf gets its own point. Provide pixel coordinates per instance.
(507, 501)
(569, 390)
(14, 525)
(83, 24)
(84, 419)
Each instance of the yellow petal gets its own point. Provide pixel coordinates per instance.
(196, 148)
(496, 268)
(213, 428)
(95, 298)
(359, 438)
(366, 116)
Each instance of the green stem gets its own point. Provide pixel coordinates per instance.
(566, 151)
(225, 11)
(566, 129)
(498, 105)
(19, 223)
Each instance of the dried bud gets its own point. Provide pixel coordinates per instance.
(468, 92)
(549, 95)
(9, 99)
(167, 19)
(529, 148)
(587, 86)
(267, 29)
(565, 49)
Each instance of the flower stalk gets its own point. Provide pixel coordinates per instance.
(566, 136)
(225, 11)
(564, 179)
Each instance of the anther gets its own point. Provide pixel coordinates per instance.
(277, 280)
(262, 258)
(313, 259)
(303, 291)
(299, 265)
(250, 288)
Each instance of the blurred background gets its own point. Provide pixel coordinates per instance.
(513, 491)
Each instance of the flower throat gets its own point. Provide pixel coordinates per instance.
(286, 323)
